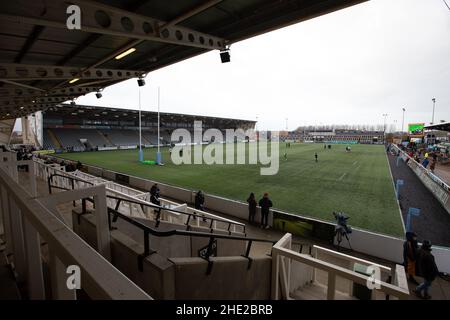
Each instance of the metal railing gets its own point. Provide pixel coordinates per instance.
(159, 209)
(113, 215)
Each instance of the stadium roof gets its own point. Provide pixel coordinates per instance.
(80, 112)
(445, 126)
(39, 55)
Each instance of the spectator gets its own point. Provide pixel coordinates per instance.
(315, 156)
(425, 162)
(199, 200)
(265, 203)
(410, 251)
(432, 165)
(251, 208)
(427, 269)
(79, 165)
(154, 198)
(154, 190)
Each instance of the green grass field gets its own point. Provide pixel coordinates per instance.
(357, 183)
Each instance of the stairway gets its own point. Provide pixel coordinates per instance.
(54, 139)
(105, 138)
(317, 291)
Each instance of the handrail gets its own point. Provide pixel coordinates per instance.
(176, 232)
(351, 258)
(150, 205)
(148, 230)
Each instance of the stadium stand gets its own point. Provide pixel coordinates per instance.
(122, 137)
(80, 138)
(48, 143)
(81, 133)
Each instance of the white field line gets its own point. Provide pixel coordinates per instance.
(395, 194)
(342, 177)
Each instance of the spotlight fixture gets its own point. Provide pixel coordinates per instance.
(141, 82)
(225, 56)
(98, 95)
(72, 103)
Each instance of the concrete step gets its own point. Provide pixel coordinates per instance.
(317, 291)
(8, 287)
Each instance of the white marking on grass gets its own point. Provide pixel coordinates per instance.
(357, 167)
(355, 162)
(342, 177)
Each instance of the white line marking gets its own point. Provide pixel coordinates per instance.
(355, 162)
(342, 177)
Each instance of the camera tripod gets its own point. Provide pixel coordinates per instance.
(339, 234)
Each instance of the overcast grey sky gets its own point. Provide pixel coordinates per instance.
(347, 67)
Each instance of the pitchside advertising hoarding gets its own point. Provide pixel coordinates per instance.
(416, 129)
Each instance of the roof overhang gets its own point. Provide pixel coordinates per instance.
(40, 56)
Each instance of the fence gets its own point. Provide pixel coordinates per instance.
(135, 202)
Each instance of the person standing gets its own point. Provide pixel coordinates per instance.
(265, 203)
(154, 195)
(316, 156)
(154, 190)
(251, 208)
(199, 200)
(432, 165)
(410, 251)
(427, 269)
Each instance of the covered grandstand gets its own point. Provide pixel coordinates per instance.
(80, 128)
(124, 246)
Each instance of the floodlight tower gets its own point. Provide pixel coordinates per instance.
(434, 103)
(158, 154)
(403, 119)
(384, 123)
(141, 83)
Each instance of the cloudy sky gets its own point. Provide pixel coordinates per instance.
(347, 67)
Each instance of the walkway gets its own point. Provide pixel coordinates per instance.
(434, 221)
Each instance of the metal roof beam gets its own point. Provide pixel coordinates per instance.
(23, 72)
(103, 19)
(34, 35)
(20, 84)
(25, 93)
(5, 102)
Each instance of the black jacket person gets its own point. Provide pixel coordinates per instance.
(265, 203)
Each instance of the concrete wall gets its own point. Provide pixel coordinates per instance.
(183, 278)
(173, 246)
(157, 277)
(229, 278)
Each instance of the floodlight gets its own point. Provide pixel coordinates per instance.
(225, 56)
